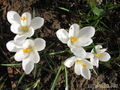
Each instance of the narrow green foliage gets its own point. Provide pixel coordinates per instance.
(107, 64)
(3, 83)
(65, 9)
(66, 79)
(48, 61)
(52, 62)
(95, 71)
(29, 85)
(13, 64)
(56, 78)
(92, 3)
(59, 52)
(94, 49)
(33, 12)
(40, 66)
(37, 85)
(35, 70)
(97, 11)
(20, 79)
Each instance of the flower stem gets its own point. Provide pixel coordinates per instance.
(66, 79)
(59, 52)
(21, 78)
(56, 78)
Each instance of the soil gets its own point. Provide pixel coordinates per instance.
(107, 78)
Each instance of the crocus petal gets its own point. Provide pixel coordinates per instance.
(79, 52)
(69, 62)
(27, 65)
(19, 38)
(16, 28)
(88, 64)
(98, 47)
(37, 22)
(13, 17)
(28, 43)
(83, 42)
(78, 68)
(30, 32)
(86, 73)
(74, 30)
(62, 35)
(89, 55)
(20, 55)
(12, 47)
(39, 44)
(28, 19)
(86, 32)
(71, 45)
(105, 57)
(95, 61)
(34, 56)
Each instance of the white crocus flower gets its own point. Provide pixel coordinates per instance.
(99, 55)
(23, 26)
(82, 65)
(27, 52)
(76, 38)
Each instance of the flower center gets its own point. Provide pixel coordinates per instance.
(23, 18)
(84, 66)
(74, 39)
(26, 50)
(98, 55)
(25, 28)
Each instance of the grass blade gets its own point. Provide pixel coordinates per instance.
(14, 64)
(56, 78)
(21, 78)
(45, 68)
(66, 79)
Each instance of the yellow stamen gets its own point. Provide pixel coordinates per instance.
(27, 50)
(74, 39)
(25, 28)
(98, 55)
(23, 18)
(84, 66)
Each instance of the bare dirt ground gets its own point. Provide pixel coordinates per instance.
(54, 20)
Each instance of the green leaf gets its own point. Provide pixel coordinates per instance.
(92, 3)
(2, 84)
(97, 11)
(65, 9)
(66, 79)
(38, 65)
(56, 78)
(14, 64)
(107, 64)
(35, 70)
(20, 79)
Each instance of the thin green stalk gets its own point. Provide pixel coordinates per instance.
(97, 23)
(56, 78)
(37, 84)
(21, 78)
(35, 71)
(45, 68)
(48, 61)
(52, 61)
(94, 49)
(66, 79)
(14, 64)
(33, 12)
(59, 52)
(95, 71)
